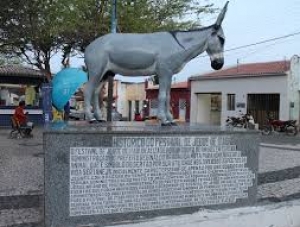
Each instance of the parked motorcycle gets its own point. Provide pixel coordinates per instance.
(289, 127)
(245, 121)
(234, 121)
(250, 123)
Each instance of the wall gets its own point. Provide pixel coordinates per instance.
(135, 92)
(130, 92)
(176, 95)
(241, 87)
(118, 94)
(293, 88)
(124, 92)
(96, 176)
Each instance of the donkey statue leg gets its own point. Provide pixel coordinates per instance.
(97, 98)
(169, 115)
(88, 91)
(165, 79)
(96, 71)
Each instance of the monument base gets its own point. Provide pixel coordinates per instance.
(114, 172)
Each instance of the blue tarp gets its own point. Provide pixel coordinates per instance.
(65, 83)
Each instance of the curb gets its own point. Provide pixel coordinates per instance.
(281, 146)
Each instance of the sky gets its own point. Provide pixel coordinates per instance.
(246, 22)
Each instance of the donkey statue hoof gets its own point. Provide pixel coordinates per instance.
(168, 123)
(173, 123)
(93, 121)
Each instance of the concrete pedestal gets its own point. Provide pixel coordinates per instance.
(108, 173)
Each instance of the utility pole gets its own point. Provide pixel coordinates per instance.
(114, 16)
(111, 77)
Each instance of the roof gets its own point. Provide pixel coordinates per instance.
(15, 74)
(174, 86)
(252, 69)
(16, 70)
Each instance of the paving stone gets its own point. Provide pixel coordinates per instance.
(279, 175)
(20, 201)
(272, 159)
(14, 217)
(280, 189)
(21, 170)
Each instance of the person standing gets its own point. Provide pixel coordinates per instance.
(67, 111)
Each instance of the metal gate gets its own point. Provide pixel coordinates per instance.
(263, 105)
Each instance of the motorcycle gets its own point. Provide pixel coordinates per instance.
(289, 127)
(234, 121)
(244, 121)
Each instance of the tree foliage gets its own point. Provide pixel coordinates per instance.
(37, 29)
(9, 60)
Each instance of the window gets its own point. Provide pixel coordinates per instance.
(230, 101)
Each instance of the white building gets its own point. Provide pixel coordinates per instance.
(260, 88)
(130, 98)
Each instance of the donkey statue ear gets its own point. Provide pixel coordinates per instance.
(221, 16)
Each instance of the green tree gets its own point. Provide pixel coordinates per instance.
(161, 15)
(35, 30)
(9, 60)
(30, 31)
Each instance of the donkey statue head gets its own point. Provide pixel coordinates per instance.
(215, 44)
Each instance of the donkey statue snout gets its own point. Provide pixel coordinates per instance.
(216, 65)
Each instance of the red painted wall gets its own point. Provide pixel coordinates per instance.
(176, 94)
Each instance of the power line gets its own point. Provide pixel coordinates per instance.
(264, 41)
(262, 49)
(258, 43)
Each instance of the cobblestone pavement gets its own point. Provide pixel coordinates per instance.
(21, 160)
(281, 138)
(279, 168)
(280, 190)
(272, 158)
(21, 175)
(21, 180)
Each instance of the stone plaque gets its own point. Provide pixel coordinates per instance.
(149, 173)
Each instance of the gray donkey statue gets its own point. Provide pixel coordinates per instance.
(160, 53)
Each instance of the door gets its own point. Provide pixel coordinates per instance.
(215, 109)
(263, 105)
(182, 109)
(203, 108)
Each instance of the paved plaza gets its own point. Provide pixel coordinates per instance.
(22, 166)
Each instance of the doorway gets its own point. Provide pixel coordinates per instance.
(263, 105)
(209, 108)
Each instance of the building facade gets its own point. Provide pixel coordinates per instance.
(18, 83)
(180, 100)
(130, 98)
(263, 89)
